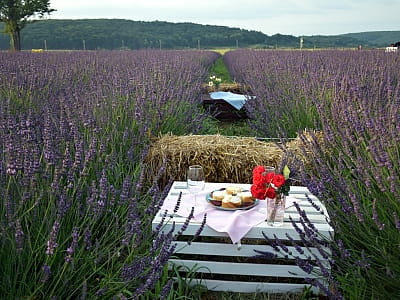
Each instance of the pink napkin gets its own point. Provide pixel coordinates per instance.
(235, 223)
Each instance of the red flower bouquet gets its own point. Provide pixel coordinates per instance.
(268, 185)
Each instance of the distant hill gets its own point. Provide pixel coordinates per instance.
(126, 34)
(376, 38)
(117, 34)
(372, 39)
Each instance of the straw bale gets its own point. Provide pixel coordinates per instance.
(224, 159)
(303, 143)
(300, 150)
(226, 87)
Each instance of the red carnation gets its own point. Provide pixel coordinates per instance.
(258, 191)
(278, 180)
(258, 177)
(270, 193)
(269, 177)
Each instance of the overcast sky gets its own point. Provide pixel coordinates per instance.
(295, 17)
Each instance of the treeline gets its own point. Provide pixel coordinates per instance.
(116, 34)
(372, 39)
(111, 34)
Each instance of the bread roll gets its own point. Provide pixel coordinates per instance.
(230, 201)
(233, 190)
(218, 195)
(246, 197)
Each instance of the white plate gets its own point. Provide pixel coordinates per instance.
(212, 201)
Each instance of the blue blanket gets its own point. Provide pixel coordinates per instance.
(236, 100)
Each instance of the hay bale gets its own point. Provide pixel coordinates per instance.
(224, 159)
(303, 144)
(299, 152)
(226, 87)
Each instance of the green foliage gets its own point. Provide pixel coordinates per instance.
(366, 39)
(127, 34)
(238, 128)
(16, 13)
(219, 69)
(375, 38)
(337, 41)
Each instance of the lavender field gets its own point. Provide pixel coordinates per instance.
(352, 100)
(76, 203)
(75, 126)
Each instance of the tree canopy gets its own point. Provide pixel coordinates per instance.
(17, 13)
(96, 34)
(127, 34)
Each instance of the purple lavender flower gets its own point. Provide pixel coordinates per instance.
(46, 273)
(11, 169)
(186, 223)
(178, 202)
(342, 250)
(126, 190)
(87, 239)
(375, 216)
(133, 231)
(103, 189)
(166, 289)
(78, 156)
(71, 249)
(67, 162)
(50, 153)
(363, 262)
(305, 265)
(135, 269)
(200, 229)
(63, 204)
(51, 242)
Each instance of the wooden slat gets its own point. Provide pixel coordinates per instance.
(246, 250)
(230, 268)
(255, 232)
(251, 287)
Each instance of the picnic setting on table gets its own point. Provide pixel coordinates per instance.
(229, 208)
(237, 216)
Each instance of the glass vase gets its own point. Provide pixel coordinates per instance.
(276, 210)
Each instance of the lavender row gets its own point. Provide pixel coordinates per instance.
(76, 206)
(352, 98)
(289, 85)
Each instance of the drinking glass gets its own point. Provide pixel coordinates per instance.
(195, 180)
(268, 169)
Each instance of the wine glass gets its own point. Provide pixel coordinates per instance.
(195, 180)
(262, 209)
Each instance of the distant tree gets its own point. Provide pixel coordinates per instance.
(16, 13)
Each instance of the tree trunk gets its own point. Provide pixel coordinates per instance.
(16, 39)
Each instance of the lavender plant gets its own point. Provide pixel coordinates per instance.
(353, 99)
(75, 128)
(358, 181)
(284, 84)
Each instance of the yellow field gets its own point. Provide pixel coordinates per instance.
(222, 51)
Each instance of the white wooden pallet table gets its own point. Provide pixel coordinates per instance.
(223, 266)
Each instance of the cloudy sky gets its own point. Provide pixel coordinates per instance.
(296, 17)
